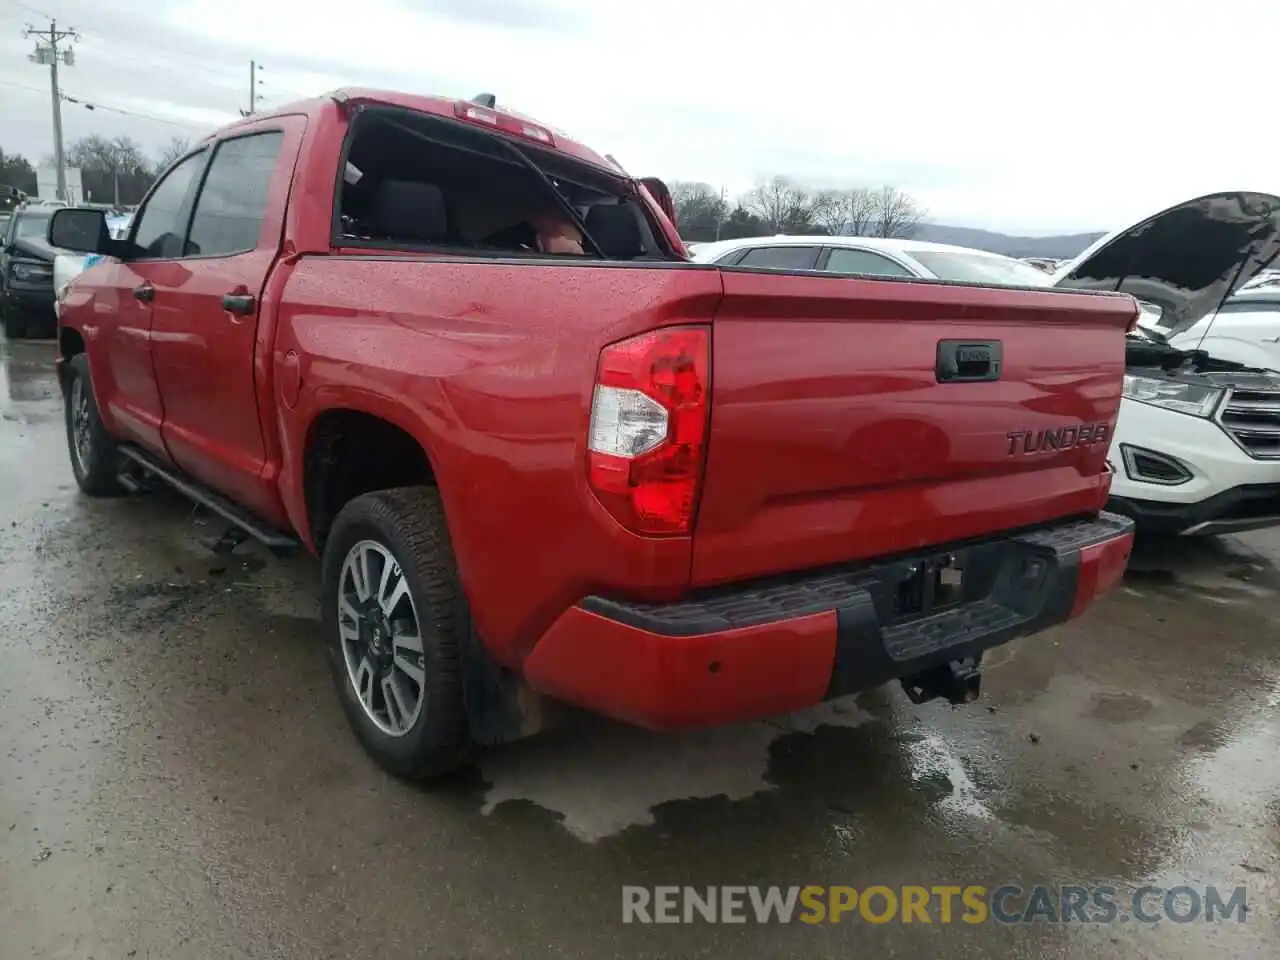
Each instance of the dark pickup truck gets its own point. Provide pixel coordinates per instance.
(677, 494)
(26, 273)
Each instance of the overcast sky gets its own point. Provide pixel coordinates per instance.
(1024, 116)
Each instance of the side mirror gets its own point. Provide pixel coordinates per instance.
(81, 230)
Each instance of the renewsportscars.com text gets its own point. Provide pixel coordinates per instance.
(1009, 903)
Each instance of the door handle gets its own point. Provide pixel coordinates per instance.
(240, 303)
(146, 293)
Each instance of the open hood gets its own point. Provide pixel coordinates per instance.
(1185, 261)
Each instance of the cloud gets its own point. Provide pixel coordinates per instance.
(993, 112)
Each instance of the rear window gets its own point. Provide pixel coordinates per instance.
(964, 267)
(414, 181)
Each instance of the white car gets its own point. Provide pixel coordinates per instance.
(1197, 445)
(1246, 329)
(872, 257)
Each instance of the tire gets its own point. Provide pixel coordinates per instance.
(408, 525)
(97, 465)
(15, 324)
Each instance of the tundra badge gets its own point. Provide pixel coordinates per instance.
(1063, 438)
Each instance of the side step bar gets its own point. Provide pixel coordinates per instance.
(258, 529)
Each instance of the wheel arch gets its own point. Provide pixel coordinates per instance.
(71, 343)
(352, 449)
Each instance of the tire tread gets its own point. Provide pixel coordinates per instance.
(101, 480)
(412, 519)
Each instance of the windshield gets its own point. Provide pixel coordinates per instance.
(33, 226)
(974, 267)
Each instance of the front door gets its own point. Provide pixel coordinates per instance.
(119, 330)
(204, 326)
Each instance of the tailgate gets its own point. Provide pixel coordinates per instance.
(837, 435)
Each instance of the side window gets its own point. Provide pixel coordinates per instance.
(158, 231)
(864, 263)
(233, 198)
(781, 258)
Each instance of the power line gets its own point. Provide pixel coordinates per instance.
(30, 9)
(142, 116)
(88, 105)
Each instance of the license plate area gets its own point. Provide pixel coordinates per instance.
(927, 586)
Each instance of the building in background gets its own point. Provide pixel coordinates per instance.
(47, 183)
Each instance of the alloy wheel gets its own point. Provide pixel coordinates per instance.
(381, 638)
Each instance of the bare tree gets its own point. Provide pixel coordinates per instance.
(121, 155)
(175, 148)
(782, 205)
(700, 210)
(896, 213)
(828, 211)
(108, 165)
(851, 212)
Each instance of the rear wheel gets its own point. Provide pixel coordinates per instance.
(94, 458)
(393, 614)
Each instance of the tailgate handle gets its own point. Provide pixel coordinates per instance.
(968, 361)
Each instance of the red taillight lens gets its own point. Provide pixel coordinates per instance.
(648, 434)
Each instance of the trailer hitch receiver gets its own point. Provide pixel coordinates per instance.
(958, 681)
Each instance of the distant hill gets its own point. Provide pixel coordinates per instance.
(1059, 247)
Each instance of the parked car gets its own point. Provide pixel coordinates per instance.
(1197, 446)
(677, 494)
(872, 257)
(26, 273)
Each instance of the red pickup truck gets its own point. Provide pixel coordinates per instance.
(676, 494)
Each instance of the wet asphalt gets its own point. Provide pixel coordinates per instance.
(177, 780)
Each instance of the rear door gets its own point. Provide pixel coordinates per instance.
(206, 322)
(839, 432)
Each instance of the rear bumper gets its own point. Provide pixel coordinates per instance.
(759, 649)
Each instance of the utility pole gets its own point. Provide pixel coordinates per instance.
(254, 83)
(47, 53)
(720, 211)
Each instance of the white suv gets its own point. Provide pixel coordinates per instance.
(1197, 445)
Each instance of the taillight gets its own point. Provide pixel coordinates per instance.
(648, 434)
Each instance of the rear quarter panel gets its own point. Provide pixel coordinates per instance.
(490, 366)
